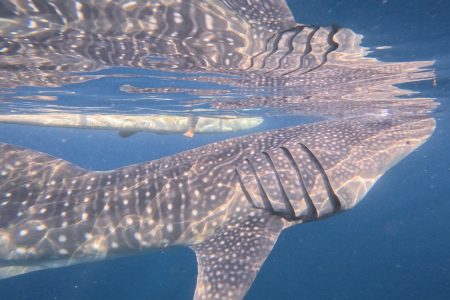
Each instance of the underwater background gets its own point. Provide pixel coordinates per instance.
(395, 244)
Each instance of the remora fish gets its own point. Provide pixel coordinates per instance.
(228, 201)
(129, 124)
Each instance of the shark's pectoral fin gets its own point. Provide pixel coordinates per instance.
(230, 260)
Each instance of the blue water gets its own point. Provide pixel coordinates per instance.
(394, 245)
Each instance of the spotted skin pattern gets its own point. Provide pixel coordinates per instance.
(228, 200)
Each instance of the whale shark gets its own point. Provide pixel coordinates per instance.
(228, 201)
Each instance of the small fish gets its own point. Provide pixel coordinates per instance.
(228, 201)
(128, 125)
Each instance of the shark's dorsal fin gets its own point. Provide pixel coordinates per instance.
(11, 271)
(17, 155)
(19, 168)
(229, 261)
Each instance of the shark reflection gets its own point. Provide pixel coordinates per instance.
(305, 70)
(230, 200)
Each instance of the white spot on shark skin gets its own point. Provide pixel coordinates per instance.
(41, 227)
(129, 221)
(178, 18)
(63, 251)
(21, 250)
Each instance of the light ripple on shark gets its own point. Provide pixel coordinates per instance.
(228, 200)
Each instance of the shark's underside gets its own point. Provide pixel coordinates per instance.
(228, 201)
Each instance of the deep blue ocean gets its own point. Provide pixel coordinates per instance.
(395, 244)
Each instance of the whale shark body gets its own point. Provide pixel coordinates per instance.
(228, 201)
